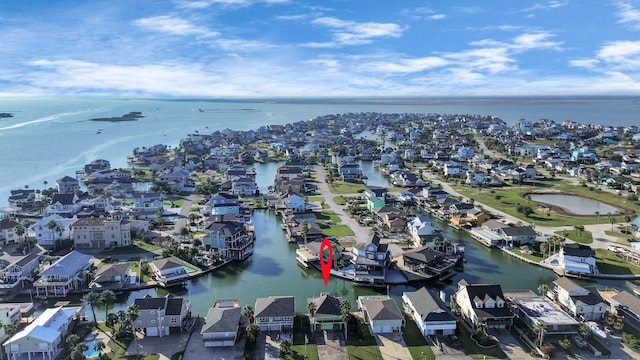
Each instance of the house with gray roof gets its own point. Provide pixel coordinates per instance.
(66, 274)
(171, 270)
(111, 276)
(482, 304)
(429, 313)
(17, 275)
(275, 313)
(328, 313)
(627, 305)
(7, 231)
(222, 323)
(157, 316)
(382, 314)
(582, 302)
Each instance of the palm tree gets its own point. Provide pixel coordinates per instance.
(99, 346)
(247, 311)
(132, 314)
(72, 340)
(78, 351)
(51, 225)
(93, 299)
(285, 348)
(107, 297)
(540, 327)
(305, 230)
(253, 330)
(584, 331)
(542, 289)
(312, 307)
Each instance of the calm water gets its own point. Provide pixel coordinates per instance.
(51, 137)
(574, 204)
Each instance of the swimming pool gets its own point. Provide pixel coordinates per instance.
(91, 353)
(188, 270)
(554, 262)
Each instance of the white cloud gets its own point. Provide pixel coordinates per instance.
(422, 13)
(202, 4)
(535, 41)
(355, 33)
(621, 55)
(407, 65)
(173, 25)
(549, 5)
(628, 14)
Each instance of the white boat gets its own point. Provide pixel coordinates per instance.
(595, 330)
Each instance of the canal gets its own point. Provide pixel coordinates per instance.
(273, 270)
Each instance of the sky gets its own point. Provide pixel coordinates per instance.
(330, 48)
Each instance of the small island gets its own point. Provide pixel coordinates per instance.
(5, 115)
(132, 116)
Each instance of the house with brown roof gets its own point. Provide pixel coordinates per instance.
(482, 304)
(7, 231)
(111, 276)
(171, 270)
(382, 314)
(100, 233)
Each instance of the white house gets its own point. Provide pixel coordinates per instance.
(275, 313)
(158, 315)
(381, 313)
(65, 205)
(582, 302)
(483, 304)
(18, 274)
(170, 270)
(67, 185)
(294, 203)
(7, 231)
(222, 204)
(222, 323)
(9, 313)
(100, 233)
(244, 186)
(578, 258)
(68, 273)
(47, 237)
(43, 338)
(429, 313)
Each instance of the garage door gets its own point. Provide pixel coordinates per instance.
(214, 343)
(387, 329)
(274, 327)
(152, 331)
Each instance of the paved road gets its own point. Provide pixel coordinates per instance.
(361, 234)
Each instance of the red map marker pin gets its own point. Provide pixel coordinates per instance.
(326, 266)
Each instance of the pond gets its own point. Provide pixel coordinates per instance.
(574, 204)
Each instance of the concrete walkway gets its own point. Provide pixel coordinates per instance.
(392, 347)
(330, 345)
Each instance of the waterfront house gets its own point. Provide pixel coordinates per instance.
(292, 203)
(67, 185)
(111, 276)
(420, 227)
(244, 186)
(328, 313)
(17, 275)
(96, 165)
(22, 198)
(429, 312)
(100, 233)
(370, 259)
(482, 304)
(275, 313)
(221, 324)
(350, 172)
(518, 235)
(65, 205)
(66, 274)
(147, 201)
(157, 316)
(222, 204)
(427, 263)
(230, 238)
(107, 176)
(584, 303)
(7, 232)
(170, 270)
(533, 310)
(375, 197)
(626, 305)
(578, 258)
(44, 337)
(381, 313)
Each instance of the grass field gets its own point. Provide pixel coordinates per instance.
(582, 237)
(362, 346)
(609, 263)
(416, 343)
(338, 230)
(341, 187)
(476, 352)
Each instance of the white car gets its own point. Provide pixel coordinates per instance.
(579, 341)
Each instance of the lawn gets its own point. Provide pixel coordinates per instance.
(416, 343)
(301, 327)
(338, 230)
(476, 352)
(508, 198)
(132, 249)
(341, 187)
(536, 256)
(146, 246)
(340, 200)
(362, 346)
(328, 216)
(609, 263)
(582, 237)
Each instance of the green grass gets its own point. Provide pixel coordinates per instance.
(341, 187)
(416, 343)
(582, 237)
(476, 352)
(338, 230)
(146, 246)
(126, 250)
(507, 198)
(598, 345)
(328, 216)
(609, 263)
(362, 346)
(301, 327)
(315, 199)
(340, 200)
(617, 234)
(535, 256)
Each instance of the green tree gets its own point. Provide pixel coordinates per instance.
(542, 289)
(184, 232)
(99, 346)
(312, 307)
(78, 351)
(52, 225)
(111, 320)
(72, 340)
(253, 330)
(132, 313)
(305, 230)
(285, 348)
(247, 311)
(584, 331)
(93, 299)
(565, 344)
(107, 297)
(540, 328)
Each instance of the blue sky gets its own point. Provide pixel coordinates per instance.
(280, 48)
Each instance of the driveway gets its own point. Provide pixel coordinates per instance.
(165, 346)
(195, 349)
(392, 347)
(330, 345)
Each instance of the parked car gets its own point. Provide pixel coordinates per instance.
(579, 341)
